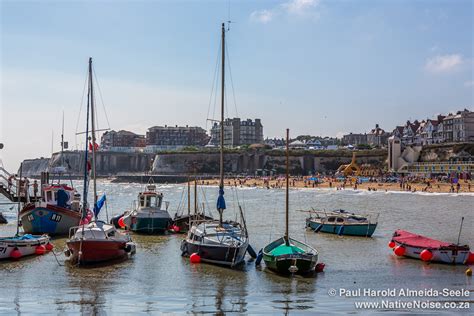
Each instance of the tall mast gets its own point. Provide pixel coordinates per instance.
(86, 158)
(62, 149)
(221, 184)
(221, 204)
(93, 131)
(189, 197)
(195, 196)
(287, 206)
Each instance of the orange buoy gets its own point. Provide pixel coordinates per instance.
(121, 222)
(195, 258)
(399, 251)
(40, 250)
(49, 246)
(391, 244)
(15, 254)
(426, 255)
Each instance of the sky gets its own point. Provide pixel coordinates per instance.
(317, 67)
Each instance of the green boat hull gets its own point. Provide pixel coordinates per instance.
(150, 225)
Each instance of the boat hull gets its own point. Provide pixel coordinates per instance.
(284, 265)
(52, 220)
(448, 256)
(220, 255)
(26, 247)
(96, 251)
(365, 230)
(149, 225)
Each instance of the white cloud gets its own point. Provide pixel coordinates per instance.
(262, 16)
(443, 63)
(290, 7)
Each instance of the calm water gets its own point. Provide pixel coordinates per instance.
(158, 279)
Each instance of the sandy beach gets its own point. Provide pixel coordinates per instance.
(465, 186)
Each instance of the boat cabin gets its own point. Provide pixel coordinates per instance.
(60, 195)
(150, 198)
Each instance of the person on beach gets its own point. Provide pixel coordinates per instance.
(35, 188)
(458, 187)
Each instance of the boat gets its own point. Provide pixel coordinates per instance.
(56, 211)
(217, 241)
(24, 245)
(342, 222)
(287, 255)
(95, 241)
(182, 220)
(148, 216)
(3, 219)
(415, 246)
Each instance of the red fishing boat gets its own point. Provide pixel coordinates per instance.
(416, 246)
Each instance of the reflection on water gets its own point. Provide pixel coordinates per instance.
(158, 280)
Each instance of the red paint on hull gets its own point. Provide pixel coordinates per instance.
(94, 251)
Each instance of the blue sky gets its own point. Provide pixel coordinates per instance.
(317, 67)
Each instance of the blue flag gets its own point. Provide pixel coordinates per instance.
(99, 205)
(221, 200)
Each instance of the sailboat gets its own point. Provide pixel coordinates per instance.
(96, 241)
(218, 242)
(181, 221)
(287, 255)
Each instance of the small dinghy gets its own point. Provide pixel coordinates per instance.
(21, 246)
(3, 220)
(342, 222)
(420, 247)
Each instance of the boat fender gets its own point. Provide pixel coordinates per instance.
(130, 248)
(469, 272)
(251, 252)
(259, 257)
(391, 244)
(121, 223)
(320, 267)
(399, 251)
(426, 255)
(114, 220)
(470, 258)
(318, 228)
(67, 253)
(15, 254)
(195, 258)
(49, 246)
(40, 250)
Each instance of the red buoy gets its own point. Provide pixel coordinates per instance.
(40, 250)
(195, 258)
(320, 267)
(49, 246)
(391, 244)
(426, 255)
(470, 259)
(176, 229)
(399, 250)
(15, 254)
(121, 222)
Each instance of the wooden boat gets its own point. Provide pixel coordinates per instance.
(24, 245)
(96, 241)
(148, 216)
(218, 242)
(287, 255)
(420, 247)
(342, 222)
(56, 212)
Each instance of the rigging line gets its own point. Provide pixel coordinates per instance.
(180, 201)
(231, 80)
(101, 99)
(80, 108)
(226, 107)
(213, 84)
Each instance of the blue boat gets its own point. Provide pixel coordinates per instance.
(341, 222)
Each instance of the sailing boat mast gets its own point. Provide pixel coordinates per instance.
(221, 183)
(86, 158)
(189, 197)
(93, 132)
(287, 206)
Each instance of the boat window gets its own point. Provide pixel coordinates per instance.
(152, 201)
(339, 220)
(331, 219)
(142, 200)
(49, 196)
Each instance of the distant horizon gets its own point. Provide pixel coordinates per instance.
(319, 67)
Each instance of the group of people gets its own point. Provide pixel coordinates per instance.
(22, 185)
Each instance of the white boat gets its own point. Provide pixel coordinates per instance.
(25, 245)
